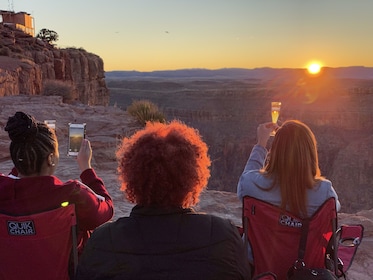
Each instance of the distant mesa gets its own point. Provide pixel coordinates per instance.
(353, 72)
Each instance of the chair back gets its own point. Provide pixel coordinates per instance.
(38, 246)
(274, 235)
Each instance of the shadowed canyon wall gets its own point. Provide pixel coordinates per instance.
(227, 113)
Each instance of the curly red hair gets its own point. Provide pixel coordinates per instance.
(164, 165)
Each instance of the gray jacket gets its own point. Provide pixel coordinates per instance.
(251, 178)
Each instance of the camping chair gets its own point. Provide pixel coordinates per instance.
(38, 246)
(274, 236)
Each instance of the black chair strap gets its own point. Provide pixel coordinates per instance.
(303, 242)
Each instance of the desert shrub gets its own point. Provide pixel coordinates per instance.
(59, 88)
(47, 35)
(144, 111)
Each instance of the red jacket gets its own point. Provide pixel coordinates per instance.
(29, 195)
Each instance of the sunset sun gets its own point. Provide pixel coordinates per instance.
(314, 68)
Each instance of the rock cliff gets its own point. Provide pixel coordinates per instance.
(26, 63)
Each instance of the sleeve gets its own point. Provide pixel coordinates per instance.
(90, 178)
(94, 205)
(255, 162)
(240, 260)
(86, 270)
(333, 193)
(95, 262)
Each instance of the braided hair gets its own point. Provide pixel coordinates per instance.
(32, 142)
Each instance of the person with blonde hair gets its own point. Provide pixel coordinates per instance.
(163, 169)
(290, 177)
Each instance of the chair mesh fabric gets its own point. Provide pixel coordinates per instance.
(274, 236)
(36, 246)
(266, 276)
(350, 237)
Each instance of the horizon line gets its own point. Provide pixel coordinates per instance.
(237, 68)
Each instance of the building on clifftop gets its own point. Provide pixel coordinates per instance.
(19, 20)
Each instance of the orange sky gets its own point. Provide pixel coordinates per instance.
(148, 35)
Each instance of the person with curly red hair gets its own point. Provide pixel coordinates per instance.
(163, 169)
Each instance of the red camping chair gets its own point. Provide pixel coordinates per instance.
(274, 236)
(38, 246)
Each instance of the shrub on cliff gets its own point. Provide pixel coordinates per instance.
(144, 111)
(47, 35)
(59, 88)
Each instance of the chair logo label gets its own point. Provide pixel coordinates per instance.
(21, 228)
(289, 221)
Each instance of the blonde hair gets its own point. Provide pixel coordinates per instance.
(293, 164)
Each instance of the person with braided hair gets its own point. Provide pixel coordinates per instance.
(31, 187)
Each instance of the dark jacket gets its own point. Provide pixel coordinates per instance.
(165, 244)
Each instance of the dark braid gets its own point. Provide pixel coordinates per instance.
(31, 144)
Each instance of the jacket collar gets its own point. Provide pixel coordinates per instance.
(157, 211)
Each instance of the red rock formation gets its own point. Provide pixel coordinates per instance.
(27, 62)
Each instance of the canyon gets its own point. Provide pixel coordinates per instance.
(106, 125)
(225, 109)
(228, 111)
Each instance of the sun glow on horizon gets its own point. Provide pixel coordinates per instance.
(314, 68)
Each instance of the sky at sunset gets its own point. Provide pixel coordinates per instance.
(147, 35)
